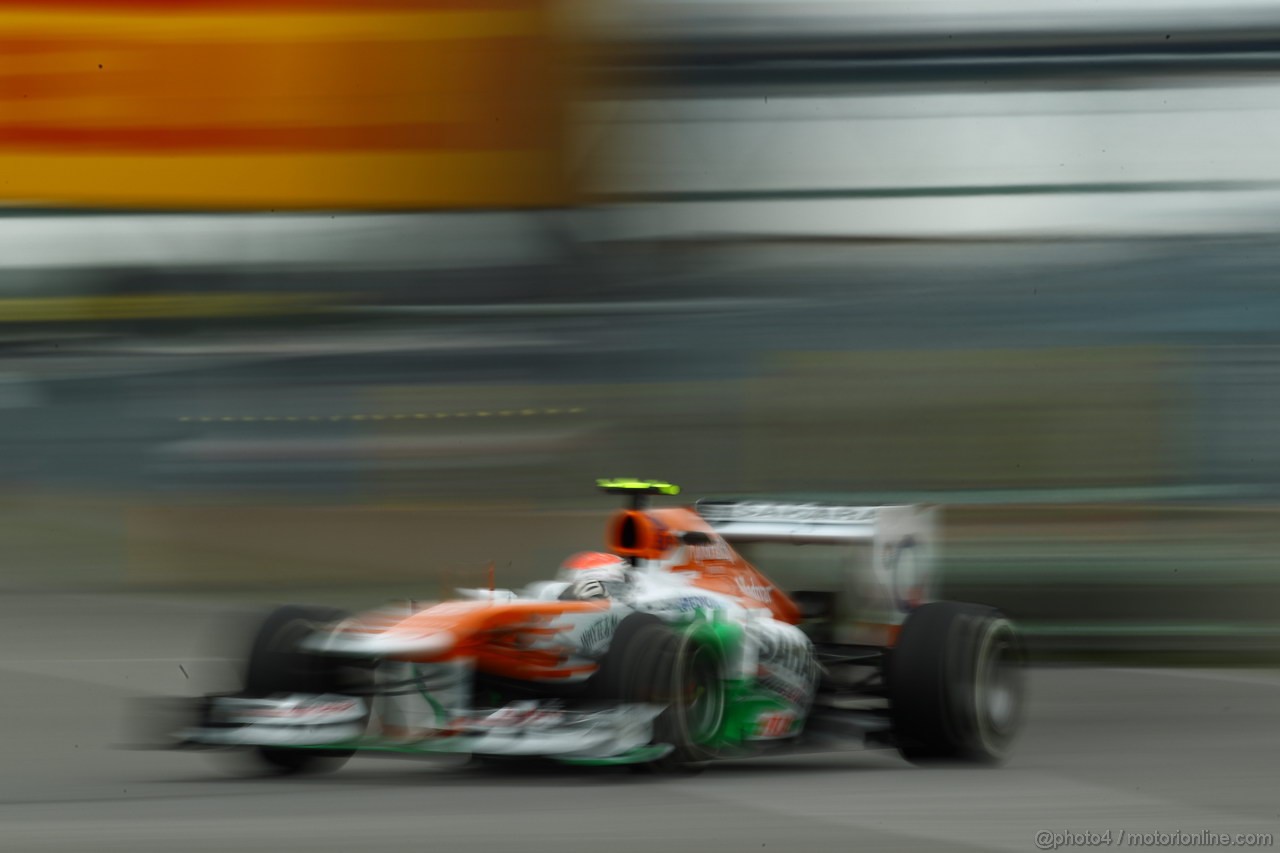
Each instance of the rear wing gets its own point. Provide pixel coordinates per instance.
(880, 561)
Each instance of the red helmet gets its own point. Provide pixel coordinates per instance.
(594, 565)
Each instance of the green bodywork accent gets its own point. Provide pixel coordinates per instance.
(436, 707)
(744, 700)
(724, 637)
(744, 705)
(650, 487)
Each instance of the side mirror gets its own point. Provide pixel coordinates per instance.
(695, 537)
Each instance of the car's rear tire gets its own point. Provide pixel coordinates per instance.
(277, 664)
(653, 662)
(957, 685)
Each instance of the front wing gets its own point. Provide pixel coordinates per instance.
(614, 734)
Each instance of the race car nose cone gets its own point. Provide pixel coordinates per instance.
(383, 644)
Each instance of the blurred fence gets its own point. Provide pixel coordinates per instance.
(1182, 583)
(1093, 493)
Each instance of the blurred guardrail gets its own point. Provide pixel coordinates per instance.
(1177, 582)
(1157, 582)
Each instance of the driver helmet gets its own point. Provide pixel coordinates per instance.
(594, 574)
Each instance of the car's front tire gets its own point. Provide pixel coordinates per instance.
(653, 662)
(276, 663)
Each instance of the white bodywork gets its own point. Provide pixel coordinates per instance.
(519, 728)
(882, 564)
(293, 720)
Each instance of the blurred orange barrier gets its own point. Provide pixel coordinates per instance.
(302, 104)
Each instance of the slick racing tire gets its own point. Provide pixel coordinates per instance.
(957, 685)
(276, 664)
(611, 682)
(658, 664)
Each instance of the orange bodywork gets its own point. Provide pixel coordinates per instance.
(510, 638)
(519, 639)
(654, 534)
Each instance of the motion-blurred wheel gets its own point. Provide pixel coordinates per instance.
(277, 664)
(659, 664)
(957, 685)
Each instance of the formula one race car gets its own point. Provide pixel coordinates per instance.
(668, 650)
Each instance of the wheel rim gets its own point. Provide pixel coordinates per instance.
(701, 695)
(999, 686)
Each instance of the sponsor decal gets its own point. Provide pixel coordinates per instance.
(900, 559)
(775, 724)
(302, 710)
(793, 693)
(810, 513)
(760, 592)
(782, 651)
(519, 715)
(596, 637)
(691, 602)
(714, 552)
(786, 667)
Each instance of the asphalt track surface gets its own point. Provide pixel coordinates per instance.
(1139, 750)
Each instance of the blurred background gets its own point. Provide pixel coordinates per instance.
(326, 299)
